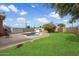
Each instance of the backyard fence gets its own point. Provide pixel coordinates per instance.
(73, 30)
(21, 30)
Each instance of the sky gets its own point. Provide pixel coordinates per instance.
(33, 14)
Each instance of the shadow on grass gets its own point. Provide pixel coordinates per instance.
(74, 38)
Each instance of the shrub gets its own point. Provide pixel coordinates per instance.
(49, 27)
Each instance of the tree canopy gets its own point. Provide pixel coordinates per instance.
(64, 9)
(49, 27)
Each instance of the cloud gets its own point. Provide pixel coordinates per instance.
(54, 15)
(4, 8)
(65, 21)
(23, 12)
(21, 20)
(8, 8)
(43, 20)
(13, 8)
(33, 6)
(16, 24)
(8, 20)
(4, 23)
(28, 21)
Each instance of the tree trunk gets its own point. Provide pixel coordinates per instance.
(72, 24)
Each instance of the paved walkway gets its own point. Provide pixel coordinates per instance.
(16, 39)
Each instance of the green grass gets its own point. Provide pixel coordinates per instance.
(57, 44)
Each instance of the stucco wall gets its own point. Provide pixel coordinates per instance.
(73, 30)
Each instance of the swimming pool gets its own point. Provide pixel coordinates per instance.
(30, 33)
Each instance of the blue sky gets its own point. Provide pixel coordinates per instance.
(20, 14)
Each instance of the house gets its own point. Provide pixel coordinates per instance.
(60, 28)
(2, 17)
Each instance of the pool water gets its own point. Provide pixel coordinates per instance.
(30, 33)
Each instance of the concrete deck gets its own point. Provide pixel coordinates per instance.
(15, 39)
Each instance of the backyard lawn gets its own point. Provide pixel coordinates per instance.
(57, 44)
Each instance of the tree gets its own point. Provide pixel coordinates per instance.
(64, 9)
(71, 21)
(49, 27)
(28, 27)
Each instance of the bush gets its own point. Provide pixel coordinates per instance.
(49, 27)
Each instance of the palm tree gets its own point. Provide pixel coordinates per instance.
(72, 22)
